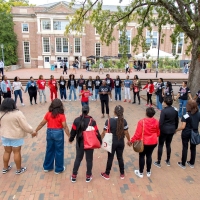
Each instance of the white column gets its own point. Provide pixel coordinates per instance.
(38, 24)
(51, 24)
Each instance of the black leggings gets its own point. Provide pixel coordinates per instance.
(149, 96)
(148, 150)
(64, 71)
(118, 147)
(167, 139)
(104, 102)
(138, 96)
(79, 157)
(33, 94)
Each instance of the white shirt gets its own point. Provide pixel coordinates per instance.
(126, 66)
(17, 86)
(1, 64)
(101, 65)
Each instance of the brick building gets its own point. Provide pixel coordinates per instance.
(40, 33)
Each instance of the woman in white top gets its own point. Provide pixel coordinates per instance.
(17, 88)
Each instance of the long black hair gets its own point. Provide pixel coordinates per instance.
(8, 105)
(169, 85)
(119, 111)
(56, 108)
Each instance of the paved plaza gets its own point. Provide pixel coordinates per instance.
(166, 183)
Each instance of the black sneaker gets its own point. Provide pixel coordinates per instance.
(190, 165)
(4, 171)
(180, 165)
(73, 178)
(157, 164)
(88, 178)
(21, 171)
(167, 163)
(133, 102)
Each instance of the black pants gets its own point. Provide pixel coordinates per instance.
(185, 141)
(149, 96)
(104, 102)
(127, 70)
(64, 71)
(2, 71)
(134, 96)
(33, 94)
(118, 147)
(167, 139)
(7, 95)
(79, 157)
(148, 150)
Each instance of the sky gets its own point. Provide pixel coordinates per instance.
(106, 2)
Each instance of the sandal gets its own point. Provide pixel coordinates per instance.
(4, 171)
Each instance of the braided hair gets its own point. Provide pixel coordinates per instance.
(119, 110)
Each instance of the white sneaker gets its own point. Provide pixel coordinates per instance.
(137, 173)
(61, 100)
(65, 99)
(75, 100)
(23, 104)
(110, 99)
(92, 99)
(148, 174)
(70, 100)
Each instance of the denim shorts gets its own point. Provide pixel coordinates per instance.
(7, 142)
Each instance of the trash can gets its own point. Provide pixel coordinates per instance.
(52, 67)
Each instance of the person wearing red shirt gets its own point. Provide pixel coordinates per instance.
(85, 93)
(150, 89)
(148, 131)
(56, 122)
(53, 87)
(41, 83)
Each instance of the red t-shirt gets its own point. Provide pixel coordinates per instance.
(54, 122)
(8, 89)
(52, 84)
(41, 84)
(85, 96)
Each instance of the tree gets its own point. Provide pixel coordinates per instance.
(183, 15)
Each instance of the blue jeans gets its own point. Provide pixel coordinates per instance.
(96, 93)
(158, 103)
(18, 93)
(63, 93)
(91, 97)
(79, 89)
(54, 150)
(117, 93)
(84, 103)
(72, 89)
(182, 107)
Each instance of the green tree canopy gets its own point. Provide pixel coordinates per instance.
(183, 15)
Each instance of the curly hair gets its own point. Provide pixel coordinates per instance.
(119, 111)
(56, 108)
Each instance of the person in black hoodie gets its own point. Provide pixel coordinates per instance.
(80, 124)
(72, 85)
(168, 125)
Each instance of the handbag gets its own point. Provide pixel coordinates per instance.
(138, 145)
(90, 139)
(195, 137)
(107, 140)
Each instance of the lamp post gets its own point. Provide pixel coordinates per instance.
(157, 62)
(2, 48)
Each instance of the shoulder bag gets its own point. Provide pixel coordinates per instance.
(1, 118)
(195, 137)
(138, 145)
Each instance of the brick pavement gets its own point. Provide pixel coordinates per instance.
(166, 183)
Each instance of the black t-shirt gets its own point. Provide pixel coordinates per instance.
(104, 89)
(168, 91)
(108, 82)
(118, 83)
(192, 123)
(97, 83)
(184, 93)
(159, 88)
(113, 128)
(81, 82)
(62, 84)
(198, 97)
(90, 83)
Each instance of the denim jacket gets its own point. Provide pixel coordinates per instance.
(4, 86)
(29, 85)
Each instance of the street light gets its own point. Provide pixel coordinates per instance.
(2, 48)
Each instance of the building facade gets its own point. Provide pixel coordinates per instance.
(42, 42)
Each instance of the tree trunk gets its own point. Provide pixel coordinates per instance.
(194, 71)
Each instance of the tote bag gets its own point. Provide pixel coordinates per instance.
(138, 145)
(90, 139)
(107, 140)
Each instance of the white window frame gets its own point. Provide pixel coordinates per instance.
(24, 52)
(23, 28)
(96, 48)
(151, 37)
(43, 45)
(95, 31)
(62, 45)
(181, 38)
(75, 46)
(42, 20)
(62, 27)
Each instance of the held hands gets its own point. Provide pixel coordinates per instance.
(34, 134)
(129, 143)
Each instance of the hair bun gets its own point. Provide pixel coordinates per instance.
(85, 108)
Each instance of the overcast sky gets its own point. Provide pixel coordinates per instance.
(106, 2)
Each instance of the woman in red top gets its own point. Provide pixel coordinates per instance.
(41, 83)
(53, 87)
(149, 128)
(56, 122)
(85, 93)
(150, 89)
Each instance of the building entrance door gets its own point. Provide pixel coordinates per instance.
(47, 62)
